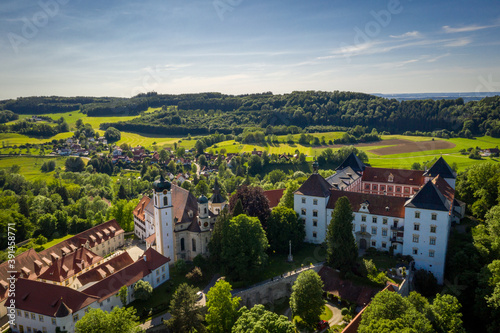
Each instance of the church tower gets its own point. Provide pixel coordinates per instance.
(163, 217)
(203, 213)
(217, 202)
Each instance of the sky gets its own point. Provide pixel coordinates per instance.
(125, 47)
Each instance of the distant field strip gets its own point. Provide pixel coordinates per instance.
(404, 146)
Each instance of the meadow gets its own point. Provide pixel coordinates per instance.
(398, 159)
(30, 166)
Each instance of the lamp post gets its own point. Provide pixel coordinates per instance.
(290, 257)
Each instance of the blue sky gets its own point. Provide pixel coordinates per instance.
(121, 48)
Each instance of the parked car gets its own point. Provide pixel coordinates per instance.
(322, 325)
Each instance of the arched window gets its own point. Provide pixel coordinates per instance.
(194, 244)
(156, 202)
(165, 201)
(205, 210)
(182, 244)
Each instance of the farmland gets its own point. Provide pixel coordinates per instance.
(396, 151)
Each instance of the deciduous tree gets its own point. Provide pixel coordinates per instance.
(222, 308)
(258, 319)
(306, 300)
(284, 225)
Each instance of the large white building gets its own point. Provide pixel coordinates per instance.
(174, 222)
(54, 287)
(408, 211)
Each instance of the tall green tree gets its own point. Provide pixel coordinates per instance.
(222, 308)
(284, 225)
(186, 314)
(244, 246)
(306, 300)
(143, 290)
(342, 250)
(390, 312)
(123, 293)
(259, 320)
(446, 314)
(120, 320)
(218, 235)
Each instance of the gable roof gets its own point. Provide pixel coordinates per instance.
(441, 168)
(343, 178)
(183, 202)
(127, 276)
(49, 299)
(354, 162)
(384, 205)
(141, 206)
(315, 186)
(105, 269)
(429, 197)
(70, 264)
(399, 176)
(274, 197)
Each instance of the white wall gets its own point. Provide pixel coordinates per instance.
(434, 264)
(322, 217)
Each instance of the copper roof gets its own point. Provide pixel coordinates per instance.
(384, 205)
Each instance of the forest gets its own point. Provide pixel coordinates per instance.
(311, 111)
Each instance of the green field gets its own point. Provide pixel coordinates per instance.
(398, 161)
(30, 166)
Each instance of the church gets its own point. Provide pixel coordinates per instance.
(406, 212)
(174, 222)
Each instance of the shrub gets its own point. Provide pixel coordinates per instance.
(195, 275)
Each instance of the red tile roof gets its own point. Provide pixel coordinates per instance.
(400, 176)
(127, 276)
(151, 239)
(445, 188)
(139, 209)
(345, 289)
(105, 269)
(70, 265)
(49, 299)
(274, 197)
(384, 205)
(183, 202)
(29, 263)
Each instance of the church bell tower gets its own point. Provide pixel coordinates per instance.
(163, 218)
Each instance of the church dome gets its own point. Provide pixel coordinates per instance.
(161, 184)
(202, 199)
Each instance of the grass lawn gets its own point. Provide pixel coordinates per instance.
(308, 254)
(382, 261)
(160, 300)
(30, 166)
(326, 315)
(56, 241)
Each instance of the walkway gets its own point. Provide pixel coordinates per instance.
(336, 315)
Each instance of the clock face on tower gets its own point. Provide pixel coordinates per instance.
(205, 224)
(165, 191)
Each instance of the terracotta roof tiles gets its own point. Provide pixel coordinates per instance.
(274, 197)
(383, 205)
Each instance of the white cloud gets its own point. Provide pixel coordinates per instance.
(466, 28)
(409, 34)
(438, 57)
(458, 42)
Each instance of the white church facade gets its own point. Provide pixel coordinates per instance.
(407, 211)
(175, 223)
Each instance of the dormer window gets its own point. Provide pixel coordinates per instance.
(190, 213)
(390, 179)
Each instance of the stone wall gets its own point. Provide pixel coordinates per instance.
(272, 290)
